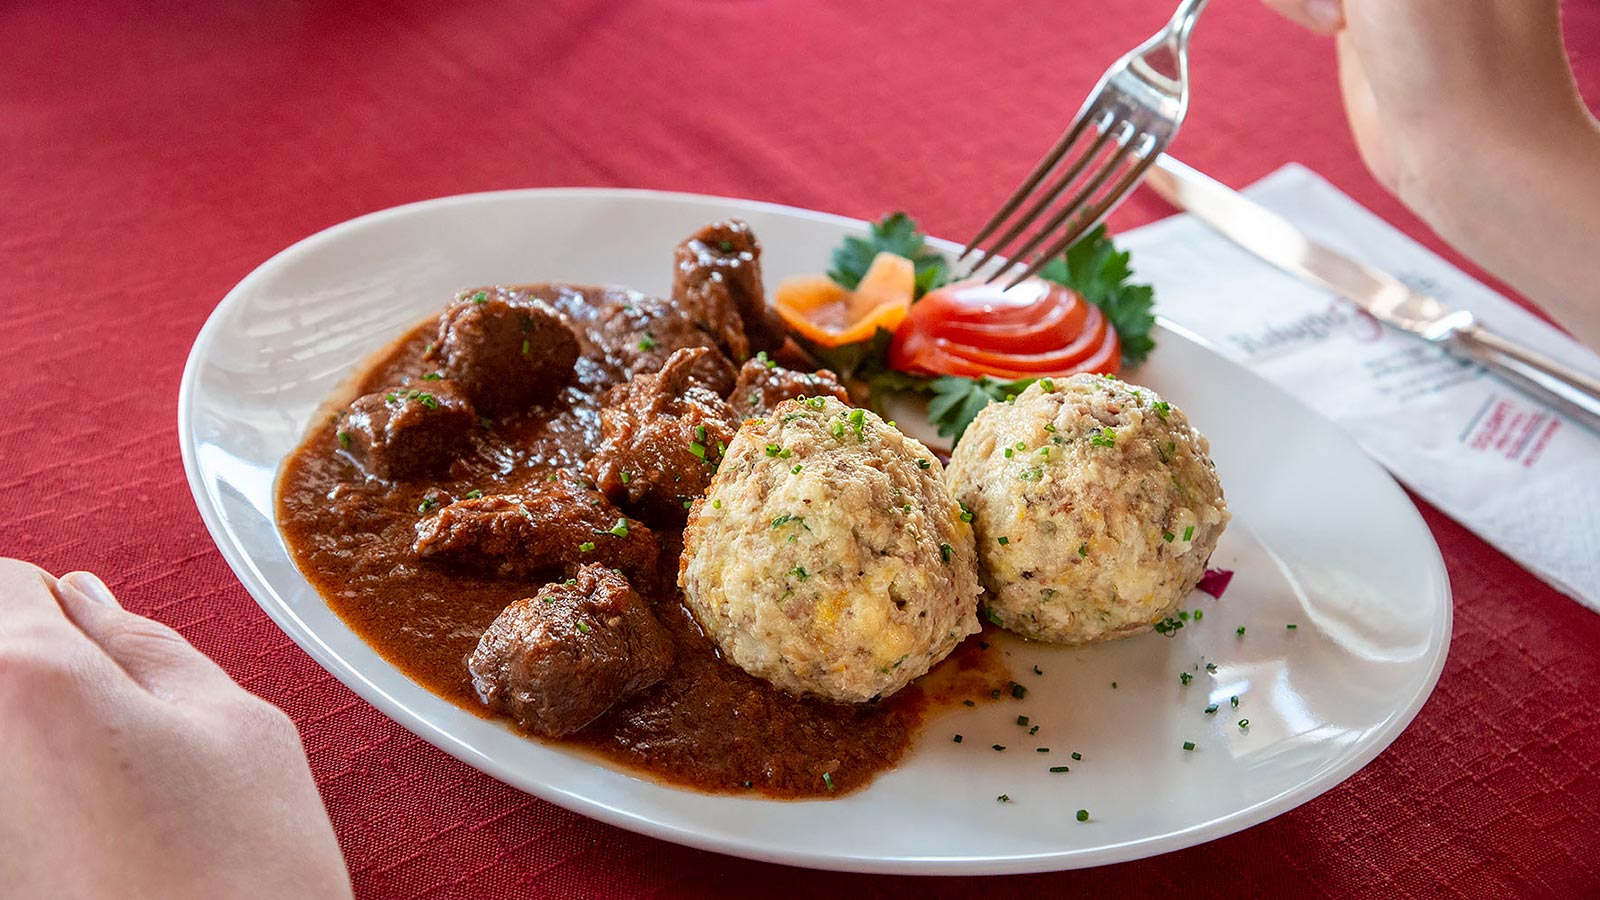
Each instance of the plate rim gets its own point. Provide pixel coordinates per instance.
(251, 578)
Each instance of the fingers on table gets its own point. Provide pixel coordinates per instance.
(29, 613)
(152, 654)
(1320, 16)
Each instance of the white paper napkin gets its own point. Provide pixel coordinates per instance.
(1517, 474)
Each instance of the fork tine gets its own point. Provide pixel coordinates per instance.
(1063, 143)
(1073, 206)
(1145, 156)
(1047, 197)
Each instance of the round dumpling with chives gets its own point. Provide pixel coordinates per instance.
(827, 556)
(1095, 506)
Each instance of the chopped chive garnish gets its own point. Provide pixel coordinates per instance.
(1291, 626)
(1041, 749)
(1211, 710)
(698, 449)
(716, 504)
(583, 627)
(1239, 631)
(620, 529)
(700, 433)
(1018, 691)
(1162, 408)
(999, 747)
(966, 514)
(1188, 533)
(827, 779)
(968, 703)
(958, 738)
(1244, 723)
(1168, 536)
(1059, 769)
(1083, 815)
(1185, 677)
(946, 551)
(473, 494)
(626, 476)
(586, 547)
(1022, 720)
(1033, 730)
(1076, 756)
(990, 615)
(1008, 453)
(432, 376)
(1211, 667)
(1003, 798)
(1234, 701)
(344, 439)
(1188, 745)
(795, 470)
(1038, 671)
(1199, 614)
(1003, 540)
(1047, 384)
(648, 342)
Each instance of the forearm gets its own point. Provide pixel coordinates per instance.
(1526, 206)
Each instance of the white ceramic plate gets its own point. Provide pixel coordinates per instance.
(1321, 538)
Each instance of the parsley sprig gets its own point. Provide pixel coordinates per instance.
(897, 233)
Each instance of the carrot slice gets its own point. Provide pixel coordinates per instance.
(828, 314)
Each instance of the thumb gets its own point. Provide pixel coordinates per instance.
(1320, 16)
(154, 655)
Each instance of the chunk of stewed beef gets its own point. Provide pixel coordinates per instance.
(557, 661)
(552, 526)
(663, 435)
(642, 336)
(505, 356)
(409, 431)
(763, 384)
(717, 278)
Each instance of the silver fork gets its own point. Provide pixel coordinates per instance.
(1133, 113)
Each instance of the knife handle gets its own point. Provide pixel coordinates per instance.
(1570, 392)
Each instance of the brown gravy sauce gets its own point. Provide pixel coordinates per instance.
(707, 726)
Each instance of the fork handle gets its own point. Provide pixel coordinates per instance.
(1564, 389)
(1183, 20)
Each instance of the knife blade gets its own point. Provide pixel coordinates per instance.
(1277, 241)
(1271, 237)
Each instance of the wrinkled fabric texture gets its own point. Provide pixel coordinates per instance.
(151, 157)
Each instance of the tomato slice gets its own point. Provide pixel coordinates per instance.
(1060, 358)
(1029, 331)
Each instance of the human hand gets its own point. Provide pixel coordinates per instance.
(135, 767)
(1468, 112)
(1424, 79)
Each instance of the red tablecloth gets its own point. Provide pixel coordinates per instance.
(151, 157)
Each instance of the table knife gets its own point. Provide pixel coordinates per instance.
(1266, 234)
